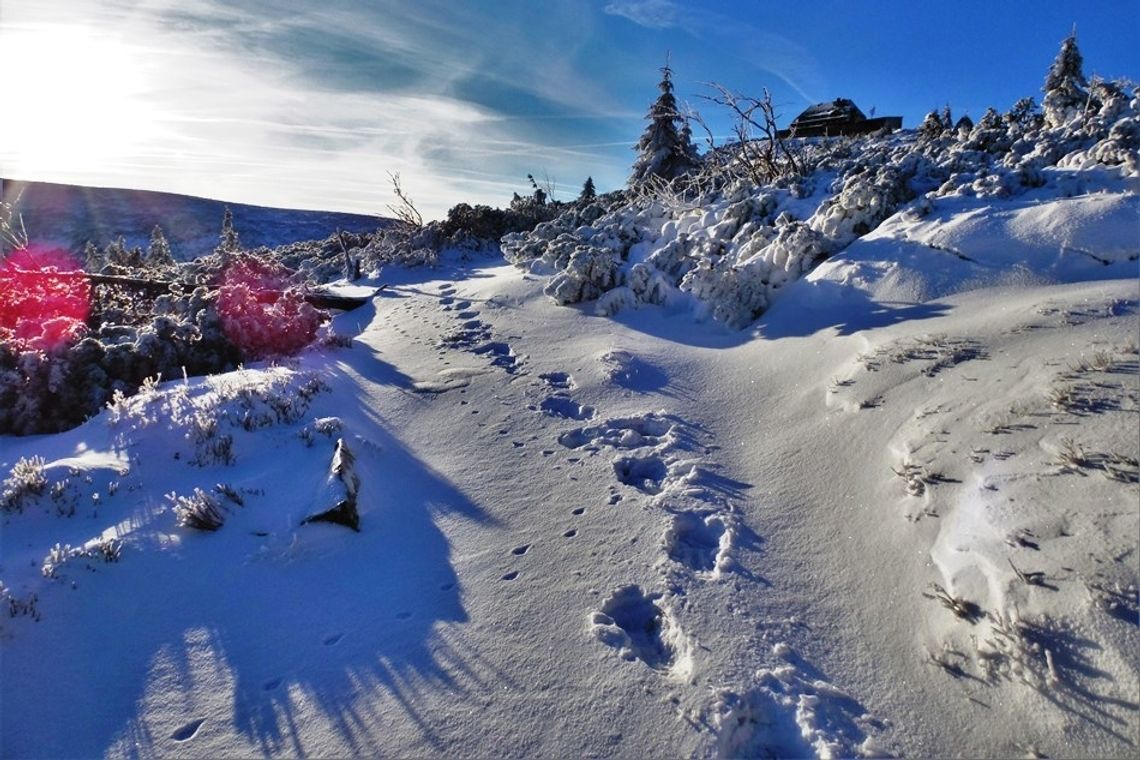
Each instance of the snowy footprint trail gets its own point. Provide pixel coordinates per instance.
(631, 551)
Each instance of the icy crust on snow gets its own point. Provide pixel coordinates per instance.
(730, 253)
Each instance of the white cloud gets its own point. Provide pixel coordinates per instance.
(652, 14)
(255, 105)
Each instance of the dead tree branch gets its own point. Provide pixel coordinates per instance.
(764, 155)
(405, 210)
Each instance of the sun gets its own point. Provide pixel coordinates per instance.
(74, 101)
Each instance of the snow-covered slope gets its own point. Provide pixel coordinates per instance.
(899, 515)
(71, 216)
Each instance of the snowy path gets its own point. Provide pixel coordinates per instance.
(628, 537)
(605, 578)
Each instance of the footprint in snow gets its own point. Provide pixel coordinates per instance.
(271, 684)
(570, 533)
(502, 355)
(631, 621)
(188, 731)
(700, 543)
(564, 406)
(647, 474)
(558, 380)
(403, 615)
(628, 371)
(466, 337)
(650, 429)
(518, 551)
(511, 575)
(469, 314)
(333, 640)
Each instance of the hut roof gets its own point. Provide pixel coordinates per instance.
(840, 110)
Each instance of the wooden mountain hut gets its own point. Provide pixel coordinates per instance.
(837, 117)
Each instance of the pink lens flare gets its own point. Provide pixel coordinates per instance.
(262, 313)
(45, 299)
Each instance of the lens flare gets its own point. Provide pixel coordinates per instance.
(262, 313)
(45, 299)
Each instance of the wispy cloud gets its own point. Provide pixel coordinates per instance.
(792, 63)
(312, 107)
(652, 14)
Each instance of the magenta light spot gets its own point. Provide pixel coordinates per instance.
(45, 299)
(262, 313)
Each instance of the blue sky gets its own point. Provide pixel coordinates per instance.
(310, 104)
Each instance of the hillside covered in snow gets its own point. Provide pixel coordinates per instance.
(73, 216)
(844, 463)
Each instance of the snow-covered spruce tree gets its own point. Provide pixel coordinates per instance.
(158, 255)
(662, 151)
(1065, 95)
(588, 193)
(932, 126)
(228, 241)
(93, 258)
(687, 143)
(947, 118)
(1024, 116)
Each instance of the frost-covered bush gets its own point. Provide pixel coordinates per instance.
(107, 550)
(44, 299)
(27, 480)
(262, 313)
(200, 510)
(45, 391)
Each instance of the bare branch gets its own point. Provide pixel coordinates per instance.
(13, 235)
(692, 115)
(764, 155)
(405, 210)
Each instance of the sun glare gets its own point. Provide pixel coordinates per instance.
(73, 101)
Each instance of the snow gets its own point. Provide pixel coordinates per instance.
(896, 515)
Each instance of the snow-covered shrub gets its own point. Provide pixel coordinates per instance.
(262, 313)
(867, 198)
(45, 299)
(207, 415)
(200, 510)
(27, 480)
(51, 390)
(105, 549)
(589, 272)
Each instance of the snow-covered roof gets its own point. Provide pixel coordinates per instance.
(838, 110)
(837, 117)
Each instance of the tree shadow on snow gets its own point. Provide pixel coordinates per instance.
(316, 621)
(819, 305)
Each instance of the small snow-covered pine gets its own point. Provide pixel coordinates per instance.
(666, 148)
